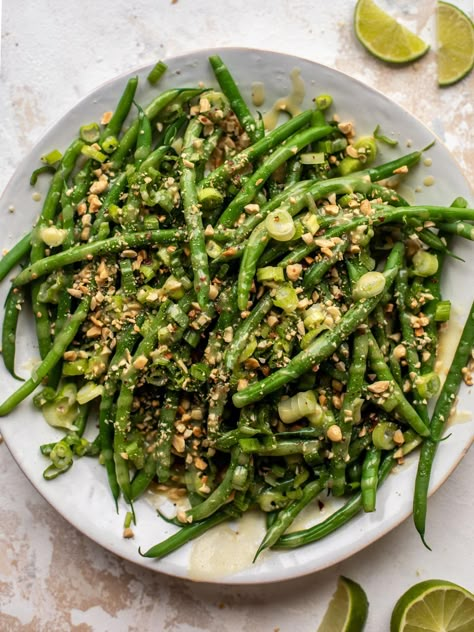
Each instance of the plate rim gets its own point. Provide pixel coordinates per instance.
(33, 152)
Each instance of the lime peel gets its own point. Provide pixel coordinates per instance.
(347, 611)
(455, 43)
(434, 605)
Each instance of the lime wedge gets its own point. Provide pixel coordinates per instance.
(347, 610)
(455, 34)
(434, 606)
(384, 37)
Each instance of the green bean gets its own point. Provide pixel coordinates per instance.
(122, 109)
(220, 495)
(12, 308)
(162, 451)
(336, 520)
(15, 255)
(287, 515)
(369, 480)
(237, 103)
(318, 269)
(322, 347)
(94, 249)
(128, 140)
(439, 419)
(401, 405)
(60, 344)
(257, 180)
(192, 216)
(222, 174)
(244, 331)
(185, 535)
(350, 412)
(458, 228)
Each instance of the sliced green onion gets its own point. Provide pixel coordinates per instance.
(382, 435)
(314, 316)
(53, 236)
(442, 311)
(280, 225)
(92, 152)
(311, 222)
(76, 367)
(370, 284)
(53, 157)
(61, 455)
(296, 407)
(178, 315)
(425, 264)
(62, 412)
(151, 222)
(240, 476)
(384, 139)
(213, 249)
(349, 165)
(428, 385)
(248, 350)
(210, 198)
(200, 371)
(90, 133)
(128, 520)
(286, 297)
(367, 148)
(332, 146)
(270, 273)
(88, 392)
(157, 72)
(323, 101)
(110, 144)
(173, 288)
(312, 158)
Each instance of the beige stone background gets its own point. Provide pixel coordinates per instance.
(55, 579)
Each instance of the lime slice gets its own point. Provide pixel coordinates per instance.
(347, 610)
(455, 34)
(434, 606)
(384, 37)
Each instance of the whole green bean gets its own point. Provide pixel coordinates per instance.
(15, 255)
(439, 419)
(97, 248)
(192, 216)
(12, 308)
(237, 103)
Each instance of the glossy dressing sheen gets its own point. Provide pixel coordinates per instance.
(291, 103)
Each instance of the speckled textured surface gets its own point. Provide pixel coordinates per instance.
(53, 53)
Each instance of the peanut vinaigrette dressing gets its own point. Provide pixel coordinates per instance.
(227, 549)
(258, 93)
(291, 103)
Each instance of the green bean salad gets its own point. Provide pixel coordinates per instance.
(247, 318)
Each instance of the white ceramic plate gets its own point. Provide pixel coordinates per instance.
(82, 495)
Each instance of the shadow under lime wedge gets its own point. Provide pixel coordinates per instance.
(347, 611)
(455, 40)
(434, 605)
(384, 37)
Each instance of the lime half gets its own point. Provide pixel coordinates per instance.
(434, 606)
(347, 610)
(455, 35)
(384, 37)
